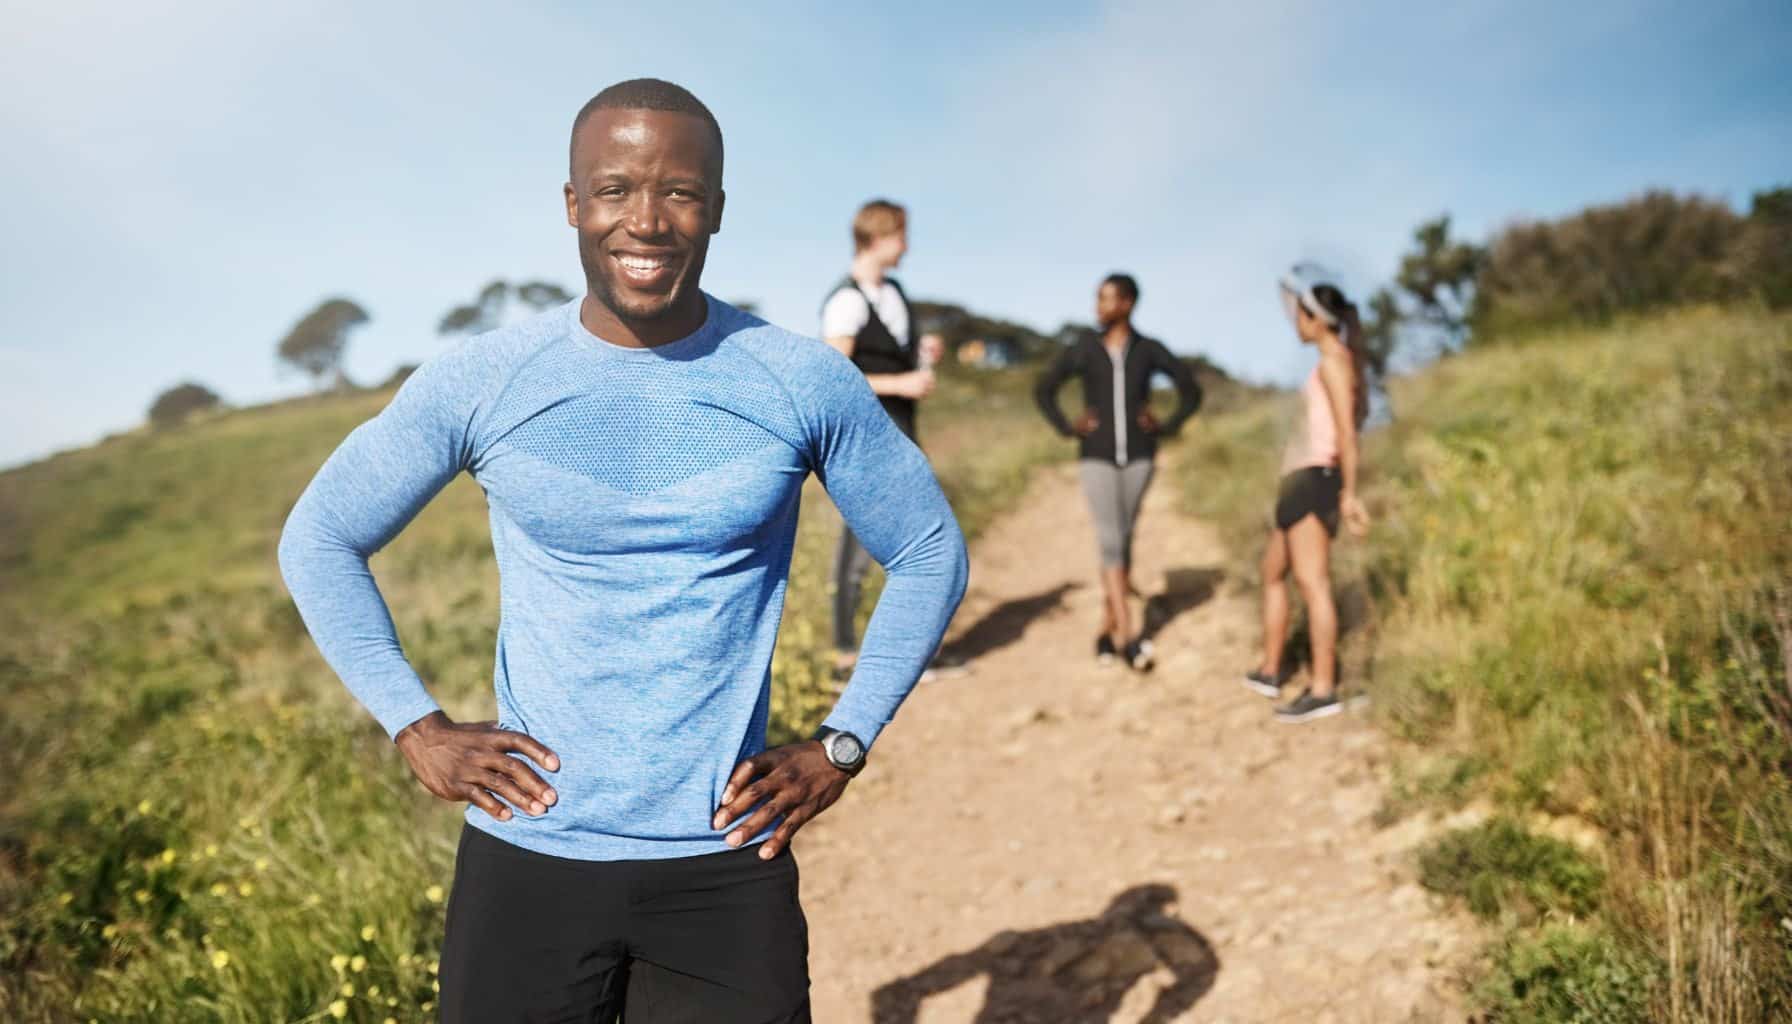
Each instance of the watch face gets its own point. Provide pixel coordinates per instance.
(848, 749)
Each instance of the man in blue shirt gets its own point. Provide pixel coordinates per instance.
(642, 450)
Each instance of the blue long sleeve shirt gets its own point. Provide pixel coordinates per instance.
(643, 506)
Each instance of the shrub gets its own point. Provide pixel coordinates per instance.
(174, 405)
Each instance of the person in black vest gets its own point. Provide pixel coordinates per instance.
(1118, 444)
(867, 317)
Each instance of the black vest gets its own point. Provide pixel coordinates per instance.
(876, 350)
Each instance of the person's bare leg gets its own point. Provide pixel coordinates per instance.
(1274, 567)
(1108, 626)
(1113, 588)
(1309, 549)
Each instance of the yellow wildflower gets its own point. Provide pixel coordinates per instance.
(339, 1009)
(391, 1020)
(358, 964)
(427, 1006)
(66, 898)
(433, 894)
(220, 889)
(220, 959)
(435, 966)
(261, 863)
(348, 990)
(391, 1000)
(404, 959)
(367, 933)
(373, 991)
(435, 986)
(245, 889)
(211, 849)
(168, 856)
(144, 806)
(110, 931)
(141, 895)
(313, 900)
(245, 823)
(338, 962)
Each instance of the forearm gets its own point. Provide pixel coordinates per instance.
(1348, 452)
(924, 585)
(342, 607)
(1045, 396)
(883, 384)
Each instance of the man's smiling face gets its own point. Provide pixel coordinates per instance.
(645, 196)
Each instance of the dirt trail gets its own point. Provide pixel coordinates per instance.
(1047, 840)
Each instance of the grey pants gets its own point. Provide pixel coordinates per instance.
(851, 563)
(1115, 494)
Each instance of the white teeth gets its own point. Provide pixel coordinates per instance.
(641, 263)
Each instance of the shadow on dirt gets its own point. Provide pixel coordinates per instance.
(1079, 970)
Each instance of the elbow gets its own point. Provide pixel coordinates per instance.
(961, 567)
(290, 553)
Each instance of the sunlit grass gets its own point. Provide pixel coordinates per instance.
(1581, 580)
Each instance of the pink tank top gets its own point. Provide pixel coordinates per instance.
(1315, 438)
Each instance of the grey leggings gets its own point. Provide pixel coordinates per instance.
(1115, 494)
(851, 563)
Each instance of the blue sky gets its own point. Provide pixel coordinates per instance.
(184, 180)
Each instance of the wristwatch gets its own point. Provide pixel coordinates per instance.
(845, 751)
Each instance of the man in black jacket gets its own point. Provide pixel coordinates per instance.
(1118, 442)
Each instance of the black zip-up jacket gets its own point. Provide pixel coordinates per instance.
(1089, 360)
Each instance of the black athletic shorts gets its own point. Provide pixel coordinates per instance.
(1313, 490)
(705, 940)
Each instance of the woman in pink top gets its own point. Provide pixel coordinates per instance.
(1319, 474)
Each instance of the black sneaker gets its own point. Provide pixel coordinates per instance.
(1138, 655)
(1266, 686)
(1307, 708)
(1105, 651)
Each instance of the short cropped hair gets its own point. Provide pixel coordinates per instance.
(1128, 287)
(647, 94)
(877, 219)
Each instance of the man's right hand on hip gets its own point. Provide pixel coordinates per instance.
(471, 761)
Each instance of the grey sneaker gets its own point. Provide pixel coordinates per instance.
(1307, 708)
(1266, 686)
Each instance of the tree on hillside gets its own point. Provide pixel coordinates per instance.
(174, 405)
(487, 312)
(1381, 330)
(1439, 274)
(1656, 250)
(482, 314)
(539, 295)
(1764, 253)
(316, 343)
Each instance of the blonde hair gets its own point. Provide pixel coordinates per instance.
(877, 219)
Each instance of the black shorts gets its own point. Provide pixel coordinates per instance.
(538, 939)
(1313, 490)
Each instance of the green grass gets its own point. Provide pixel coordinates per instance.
(1581, 586)
(198, 823)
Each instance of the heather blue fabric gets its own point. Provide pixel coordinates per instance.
(643, 508)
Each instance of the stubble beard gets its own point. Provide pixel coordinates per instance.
(598, 267)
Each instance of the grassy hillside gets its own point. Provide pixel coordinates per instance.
(1576, 609)
(198, 823)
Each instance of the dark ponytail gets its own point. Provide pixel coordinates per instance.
(1349, 328)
